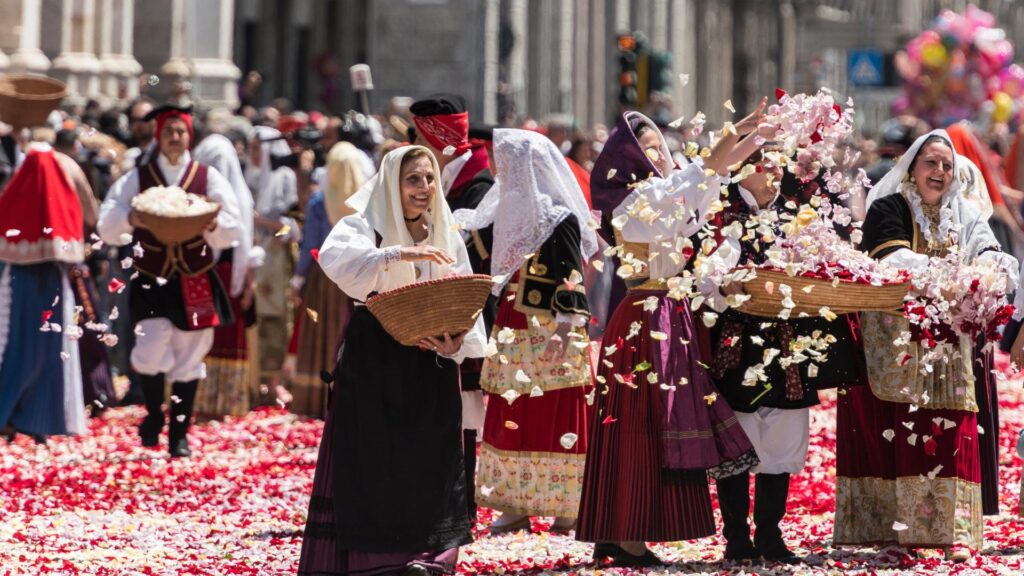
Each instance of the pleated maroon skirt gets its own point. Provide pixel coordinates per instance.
(628, 494)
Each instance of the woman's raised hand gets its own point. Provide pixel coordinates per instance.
(753, 120)
(426, 253)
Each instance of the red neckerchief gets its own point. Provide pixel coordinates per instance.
(478, 162)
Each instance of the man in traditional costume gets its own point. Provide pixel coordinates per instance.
(757, 366)
(442, 126)
(176, 296)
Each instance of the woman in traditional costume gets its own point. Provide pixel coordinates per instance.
(97, 378)
(327, 308)
(654, 435)
(40, 372)
(535, 431)
(907, 455)
(275, 189)
(226, 388)
(389, 488)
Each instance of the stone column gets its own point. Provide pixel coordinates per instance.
(518, 19)
(210, 37)
(563, 97)
(600, 82)
(582, 35)
(492, 17)
(176, 67)
(29, 57)
(77, 65)
(119, 79)
(683, 45)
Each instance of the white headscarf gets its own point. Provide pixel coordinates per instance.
(218, 152)
(534, 192)
(274, 191)
(964, 215)
(380, 202)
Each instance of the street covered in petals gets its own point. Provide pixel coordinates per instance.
(511, 287)
(100, 504)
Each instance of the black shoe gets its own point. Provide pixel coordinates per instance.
(741, 552)
(605, 551)
(416, 570)
(184, 394)
(180, 449)
(149, 430)
(734, 503)
(648, 559)
(770, 494)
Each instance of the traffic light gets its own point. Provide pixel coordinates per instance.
(627, 70)
(659, 75)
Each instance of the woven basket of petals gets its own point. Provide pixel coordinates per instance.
(424, 309)
(817, 296)
(172, 214)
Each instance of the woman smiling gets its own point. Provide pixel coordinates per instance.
(389, 491)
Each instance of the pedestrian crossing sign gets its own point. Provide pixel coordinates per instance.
(864, 68)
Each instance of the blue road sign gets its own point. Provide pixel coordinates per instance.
(864, 67)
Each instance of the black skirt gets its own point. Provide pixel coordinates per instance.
(399, 483)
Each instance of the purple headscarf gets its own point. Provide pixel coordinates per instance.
(623, 154)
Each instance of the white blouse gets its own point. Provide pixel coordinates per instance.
(688, 188)
(351, 259)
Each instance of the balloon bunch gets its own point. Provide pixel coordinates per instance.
(961, 68)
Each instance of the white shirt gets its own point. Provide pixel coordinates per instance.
(723, 259)
(351, 259)
(452, 169)
(113, 226)
(689, 187)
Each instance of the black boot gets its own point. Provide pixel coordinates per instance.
(183, 396)
(153, 394)
(734, 503)
(770, 494)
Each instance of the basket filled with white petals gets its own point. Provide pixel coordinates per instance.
(174, 215)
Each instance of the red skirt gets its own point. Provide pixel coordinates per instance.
(906, 477)
(532, 457)
(628, 493)
(225, 390)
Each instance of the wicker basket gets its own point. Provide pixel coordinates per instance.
(26, 100)
(843, 298)
(177, 229)
(414, 312)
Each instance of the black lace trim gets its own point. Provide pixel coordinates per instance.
(740, 465)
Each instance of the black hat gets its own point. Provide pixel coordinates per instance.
(481, 131)
(156, 112)
(897, 133)
(438, 104)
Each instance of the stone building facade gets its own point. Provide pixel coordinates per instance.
(510, 58)
(108, 49)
